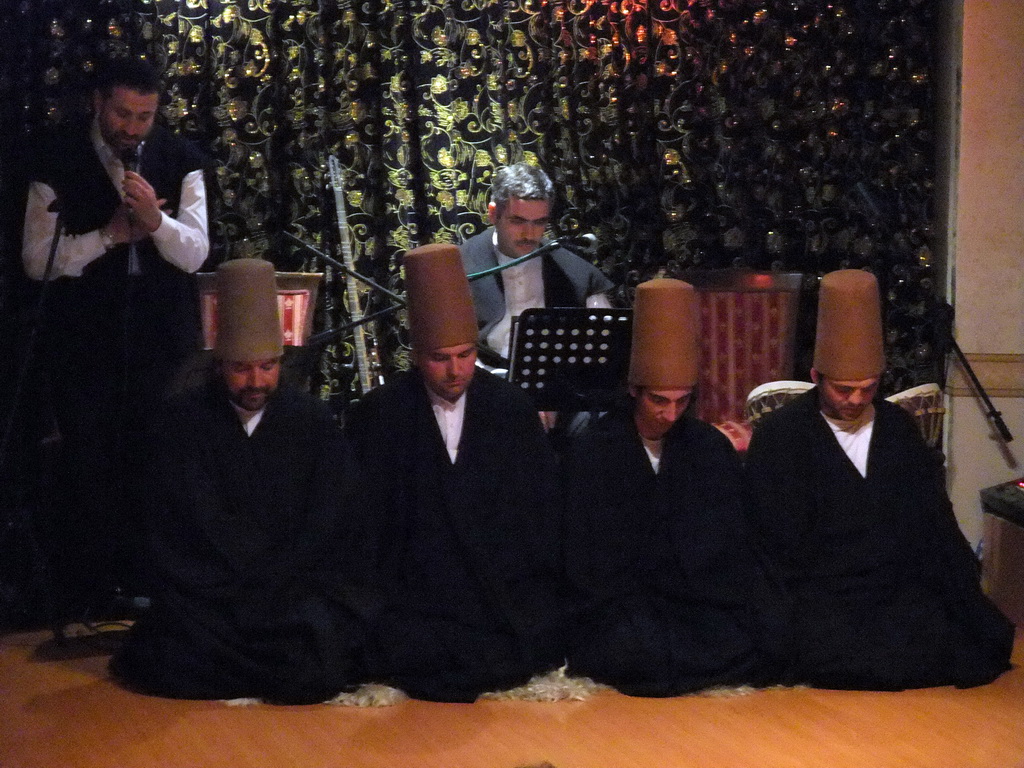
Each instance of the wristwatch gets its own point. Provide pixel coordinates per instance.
(106, 238)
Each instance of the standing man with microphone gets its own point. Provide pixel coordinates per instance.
(125, 201)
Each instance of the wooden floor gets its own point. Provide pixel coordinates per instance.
(58, 709)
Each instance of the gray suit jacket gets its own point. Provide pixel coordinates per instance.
(568, 280)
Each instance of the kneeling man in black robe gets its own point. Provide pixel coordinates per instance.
(461, 479)
(855, 512)
(248, 491)
(657, 540)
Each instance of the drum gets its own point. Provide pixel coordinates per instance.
(926, 405)
(768, 397)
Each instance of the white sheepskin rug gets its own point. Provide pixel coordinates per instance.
(370, 695)
(727, 692)
(242, 702)
(554, 686)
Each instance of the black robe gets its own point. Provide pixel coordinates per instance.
(247, 539)
(466, 553)
(885, 585)
(675, 597)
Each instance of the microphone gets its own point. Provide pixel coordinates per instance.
(573, 243)
(586, 243)
(132, 159)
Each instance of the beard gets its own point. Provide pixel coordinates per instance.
(452, 389)
(252, 398)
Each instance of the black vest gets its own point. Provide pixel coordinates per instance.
(155, 311)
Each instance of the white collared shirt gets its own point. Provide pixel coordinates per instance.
(653, 450)
(449, 417)
(524, 289)
(855, 438)
(183, 242)
(254, 420)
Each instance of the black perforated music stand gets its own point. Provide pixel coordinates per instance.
(571, 358)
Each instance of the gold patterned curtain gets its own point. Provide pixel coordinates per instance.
(791, 134)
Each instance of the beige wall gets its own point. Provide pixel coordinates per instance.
(987, 254)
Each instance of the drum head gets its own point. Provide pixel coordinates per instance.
(772, 395)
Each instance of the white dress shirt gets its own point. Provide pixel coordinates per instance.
(449, 417)
(524, 289)
(253, 421)
(653, 450)
(855, 437)
(184, 242)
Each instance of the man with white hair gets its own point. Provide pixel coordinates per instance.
(519, 212)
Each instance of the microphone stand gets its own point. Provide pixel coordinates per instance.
(944, 325)
(551, 245)
(325, 337)
(340, 266)
(40, 566)
(946, 328)
(994, 416)
(37, 319)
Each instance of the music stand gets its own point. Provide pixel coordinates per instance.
(571, 358)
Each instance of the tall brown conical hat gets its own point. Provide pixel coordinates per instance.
(848, 346)
(248, 325)
(666, 329)
(441, 310)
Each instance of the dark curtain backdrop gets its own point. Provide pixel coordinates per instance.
(792, 135)
(786, 135)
